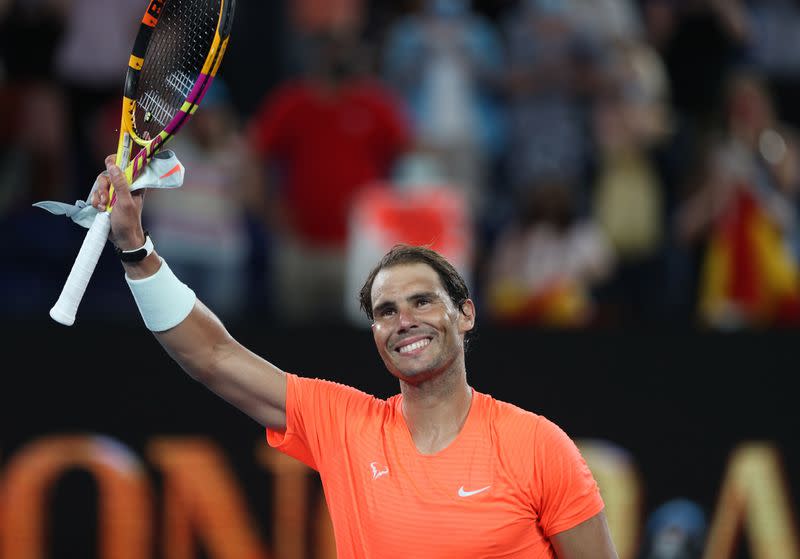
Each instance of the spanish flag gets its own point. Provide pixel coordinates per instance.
(749, 277)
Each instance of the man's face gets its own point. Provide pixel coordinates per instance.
(418, 330)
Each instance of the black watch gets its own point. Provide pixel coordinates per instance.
(137, 254)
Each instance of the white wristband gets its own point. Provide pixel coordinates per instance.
(163, 300)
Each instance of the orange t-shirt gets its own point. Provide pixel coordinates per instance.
(509, 481)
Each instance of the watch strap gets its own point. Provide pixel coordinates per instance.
(137, 254)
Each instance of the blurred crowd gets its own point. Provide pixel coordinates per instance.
(584, 163)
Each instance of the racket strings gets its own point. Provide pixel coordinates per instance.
(174, 59)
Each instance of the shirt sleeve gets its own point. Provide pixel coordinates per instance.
(317, 416)
(568, 490)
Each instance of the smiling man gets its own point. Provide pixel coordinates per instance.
(438, 471)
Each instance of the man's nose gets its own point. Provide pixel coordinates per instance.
(406, 317)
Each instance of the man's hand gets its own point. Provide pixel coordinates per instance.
(126, 218)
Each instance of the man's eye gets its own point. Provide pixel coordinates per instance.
(386, 312)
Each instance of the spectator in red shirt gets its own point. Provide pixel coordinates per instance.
(324, 136)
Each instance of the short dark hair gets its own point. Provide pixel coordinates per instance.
(452, 281)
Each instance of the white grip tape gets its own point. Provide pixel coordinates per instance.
(66, 307)
(163, 300)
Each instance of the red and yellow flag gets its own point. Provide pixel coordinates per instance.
(749, 275)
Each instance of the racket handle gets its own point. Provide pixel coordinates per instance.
(66, 307)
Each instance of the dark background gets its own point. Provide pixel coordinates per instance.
(678, 402)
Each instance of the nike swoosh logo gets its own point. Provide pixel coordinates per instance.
(464, 493)
(172, 171)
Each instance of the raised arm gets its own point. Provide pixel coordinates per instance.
(198, 341)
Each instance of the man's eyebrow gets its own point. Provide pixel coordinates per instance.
(377, 309)
(423, 295)
(382, 306)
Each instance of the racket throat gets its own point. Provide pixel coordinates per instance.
(124, 150)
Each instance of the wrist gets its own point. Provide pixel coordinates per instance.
(163, 300)
(144, 268)
(137, 240)
(137, 252)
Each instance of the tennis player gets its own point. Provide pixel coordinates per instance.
(437, 471)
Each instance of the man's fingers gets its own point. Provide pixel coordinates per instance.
(100, 194)
(117, 176)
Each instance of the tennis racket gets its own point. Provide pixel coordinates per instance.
(176, 54)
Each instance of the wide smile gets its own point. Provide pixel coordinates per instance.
(412, 346)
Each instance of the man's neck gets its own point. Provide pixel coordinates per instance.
(436, 410)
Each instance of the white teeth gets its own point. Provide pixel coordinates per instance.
(415, 345)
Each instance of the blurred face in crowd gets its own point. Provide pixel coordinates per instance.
(337, 56)
(211, 126)
(549, 202)
(749, 104)
(417, 328)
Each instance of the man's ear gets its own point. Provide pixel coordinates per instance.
(467, 316)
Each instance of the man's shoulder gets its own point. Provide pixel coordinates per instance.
(504, 407)
(516, 434)
(332, 394)
(503, 412)
(509, 416)
(327, 385)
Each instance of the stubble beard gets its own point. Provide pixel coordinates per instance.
(439, 371)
